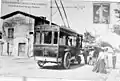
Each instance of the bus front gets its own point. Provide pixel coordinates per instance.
(46, 43)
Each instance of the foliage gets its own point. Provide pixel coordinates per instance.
(116, 27)
(88, 37)
(117, 11)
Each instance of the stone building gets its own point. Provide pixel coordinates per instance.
(18, 33)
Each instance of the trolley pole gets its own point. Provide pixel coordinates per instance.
(50, 12)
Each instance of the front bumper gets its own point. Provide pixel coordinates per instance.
(48, 59)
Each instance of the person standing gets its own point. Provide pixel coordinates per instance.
(78, 41)
(106, 58)
(95, 54)
(85, 54)
(114, 59)
(100, 64)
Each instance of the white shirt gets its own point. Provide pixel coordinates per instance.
(101, 55)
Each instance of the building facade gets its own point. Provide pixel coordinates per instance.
(18, 33)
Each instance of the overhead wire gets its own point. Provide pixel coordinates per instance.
(65, 13)
(60, 13)
(54, 13)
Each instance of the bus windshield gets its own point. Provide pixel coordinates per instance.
(49, 37)
(46, 37)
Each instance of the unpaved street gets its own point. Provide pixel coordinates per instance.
(12, 66)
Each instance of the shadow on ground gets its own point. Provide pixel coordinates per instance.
(57, 67)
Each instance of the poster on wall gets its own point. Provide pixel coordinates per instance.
(101, 13)
(56, 40)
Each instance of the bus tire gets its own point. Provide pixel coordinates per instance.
(40, 64)
(66, 60)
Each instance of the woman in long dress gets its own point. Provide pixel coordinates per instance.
(114, 59)
(100, 64)
(96, 54)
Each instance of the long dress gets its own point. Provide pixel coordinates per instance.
(114, 60)
(95, 55)
(100, 64)
(106, 59)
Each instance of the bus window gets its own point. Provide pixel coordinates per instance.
(78, 41)
(73, 41)
(47, 37)
(70, 41)
(37, 37)
(0, 35)
(67, 40)
(55, 37)
(62, 39)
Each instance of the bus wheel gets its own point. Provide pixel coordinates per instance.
(66, 60)
(40, 64)
(79, 59)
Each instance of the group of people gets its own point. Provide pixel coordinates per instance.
(70, 41)
(100, 59)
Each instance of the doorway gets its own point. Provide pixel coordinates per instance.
(21, 49)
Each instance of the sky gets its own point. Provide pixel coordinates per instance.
(79, 12)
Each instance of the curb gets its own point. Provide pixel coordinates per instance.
(34, 79)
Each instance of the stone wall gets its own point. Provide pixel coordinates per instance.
(22, 28)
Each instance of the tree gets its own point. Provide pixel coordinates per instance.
(116, 27)
(88, 37)
(117, 11)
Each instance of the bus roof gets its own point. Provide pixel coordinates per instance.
(64, 29)
(69, 31)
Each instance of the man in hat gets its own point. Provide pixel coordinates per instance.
(85, 54)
